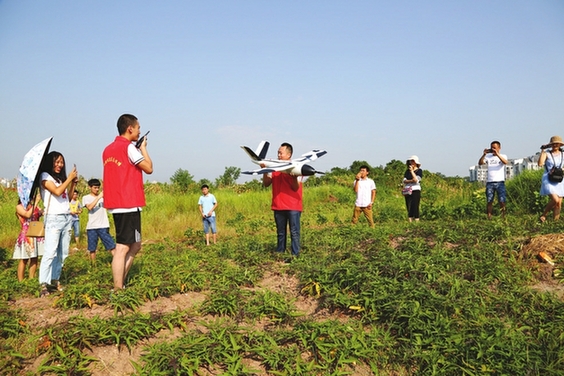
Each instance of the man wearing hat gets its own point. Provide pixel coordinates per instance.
(495, 182)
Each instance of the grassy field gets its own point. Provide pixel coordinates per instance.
(452, 295)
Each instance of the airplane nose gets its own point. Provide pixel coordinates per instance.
(307, 170)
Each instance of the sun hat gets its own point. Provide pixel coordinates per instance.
(415, 159)
(556, 140)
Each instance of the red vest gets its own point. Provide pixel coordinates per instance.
(283, 196)
(123, 181)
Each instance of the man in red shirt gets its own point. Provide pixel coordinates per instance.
(124, 195)
(286, 202)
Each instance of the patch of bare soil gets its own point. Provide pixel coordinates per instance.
(287, 285)
(544, 254)
(112, 360)
(42, 313)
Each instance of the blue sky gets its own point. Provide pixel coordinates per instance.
(365, 80)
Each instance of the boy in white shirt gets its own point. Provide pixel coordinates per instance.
(98, 225)
(207, 205)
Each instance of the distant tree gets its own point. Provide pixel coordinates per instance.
(251, 185)
(355, 166)
(229, 177)
(182, 178)
(206, 182)
(395, 167)
(339, 171)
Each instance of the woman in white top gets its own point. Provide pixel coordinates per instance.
(554, 190)
(55, 185)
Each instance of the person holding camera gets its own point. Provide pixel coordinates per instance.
(551, 183)
(495, 182)
(365, 190)
(412, 187)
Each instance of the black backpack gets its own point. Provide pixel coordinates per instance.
(556, 175)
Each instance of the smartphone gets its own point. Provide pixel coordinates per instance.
(140, 141)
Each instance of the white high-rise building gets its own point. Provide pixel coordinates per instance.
(513, 168)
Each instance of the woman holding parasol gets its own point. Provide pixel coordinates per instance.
(54, 187)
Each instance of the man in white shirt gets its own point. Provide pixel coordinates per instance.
(365, 190)
(496, 176)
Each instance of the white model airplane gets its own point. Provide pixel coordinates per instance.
(295, 166)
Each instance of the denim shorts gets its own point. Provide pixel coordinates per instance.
(104, 235)
(76, 227)
(209, 222)
(495, 186)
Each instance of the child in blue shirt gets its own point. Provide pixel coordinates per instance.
(207, 205)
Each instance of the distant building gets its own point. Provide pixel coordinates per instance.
(513, 168)
(8, 183)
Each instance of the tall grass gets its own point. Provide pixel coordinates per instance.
(523, 193)
(170, 212)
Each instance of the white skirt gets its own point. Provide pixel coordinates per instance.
(32, 247)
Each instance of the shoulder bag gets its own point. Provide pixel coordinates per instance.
(36, 229)
(406, 191)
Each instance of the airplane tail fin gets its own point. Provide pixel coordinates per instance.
(260, 153)
(262, 149)
(251, 153)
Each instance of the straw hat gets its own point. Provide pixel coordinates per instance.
(556, 140)
(416, 159)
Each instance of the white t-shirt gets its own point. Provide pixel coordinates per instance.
(54, 204)
(98, 216)
(364, 193)
(496, 168)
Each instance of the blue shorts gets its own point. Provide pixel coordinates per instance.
(104, 235)
(209, 222)
(495, 186)
(76, 228)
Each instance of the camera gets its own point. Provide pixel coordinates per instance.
(490, 150)
(549, 146)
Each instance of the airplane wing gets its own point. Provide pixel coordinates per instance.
(311, 155)
(267, 170)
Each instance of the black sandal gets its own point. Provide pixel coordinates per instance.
(44, 291)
